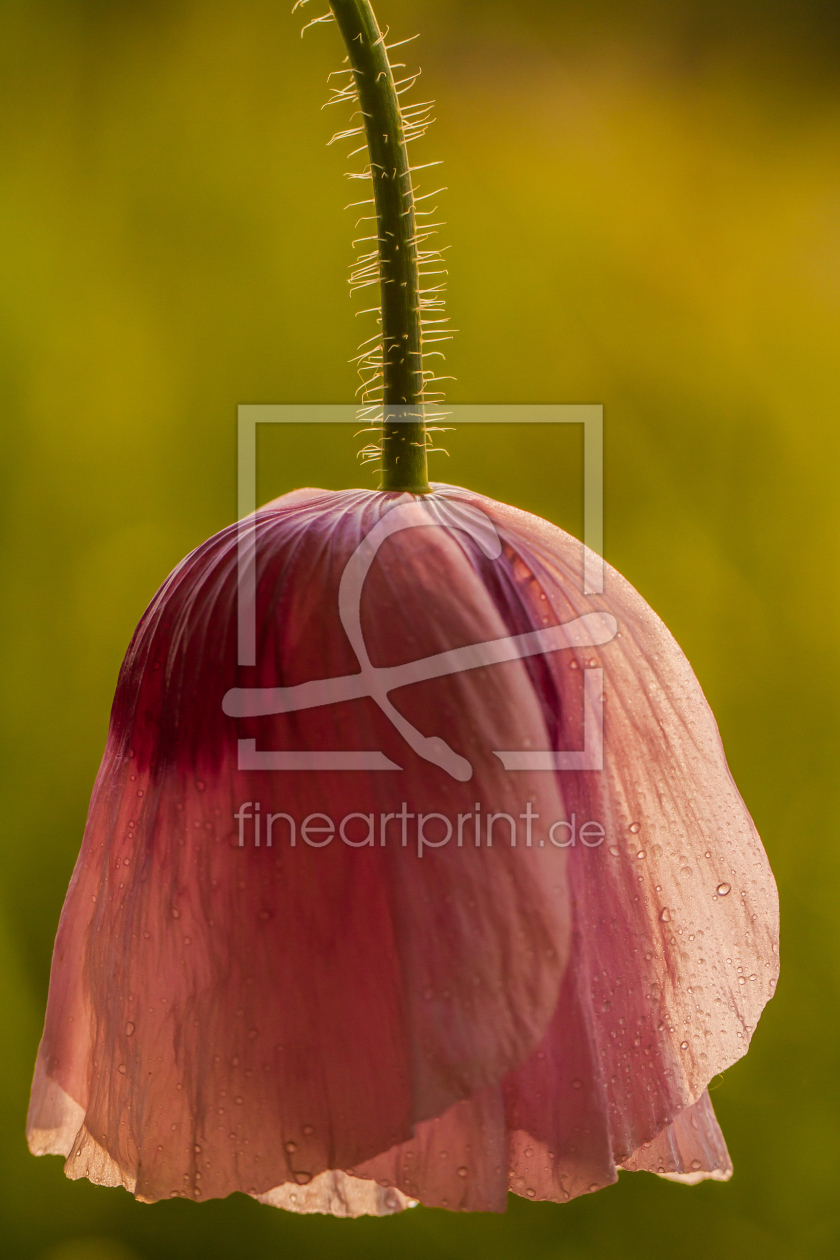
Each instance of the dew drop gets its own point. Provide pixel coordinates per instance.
(303, 1178)
(121, 1069)
(724, 889)
(462, 1171)
(665, 915)
(575, 1084)
(635, 828)
(308, 1128)
(129, 1029)
(696, 1165)
(291, 1147)
(683, 1045)
(532, 1194)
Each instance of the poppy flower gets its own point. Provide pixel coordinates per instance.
(441, 888)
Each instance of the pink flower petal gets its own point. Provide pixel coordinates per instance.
(350, 1029)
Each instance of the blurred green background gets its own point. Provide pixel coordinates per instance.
(643, 210)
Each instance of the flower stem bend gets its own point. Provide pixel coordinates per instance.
(404, 464)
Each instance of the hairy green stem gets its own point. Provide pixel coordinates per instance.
(403, 432)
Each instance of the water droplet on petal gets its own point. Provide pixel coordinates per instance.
(683, 1045)
(635, 828)
(303, 1178)
(724, 889)
(462, 1171)
(532, 1194)
(308, 1128)
(129, 1029)
(696, 1165)
(665, 915)
(291, 1147)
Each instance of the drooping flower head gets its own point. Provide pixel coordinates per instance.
(449, 892)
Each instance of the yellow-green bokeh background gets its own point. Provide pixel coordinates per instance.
(644, 211)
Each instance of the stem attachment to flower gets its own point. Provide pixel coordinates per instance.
(404, 465)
